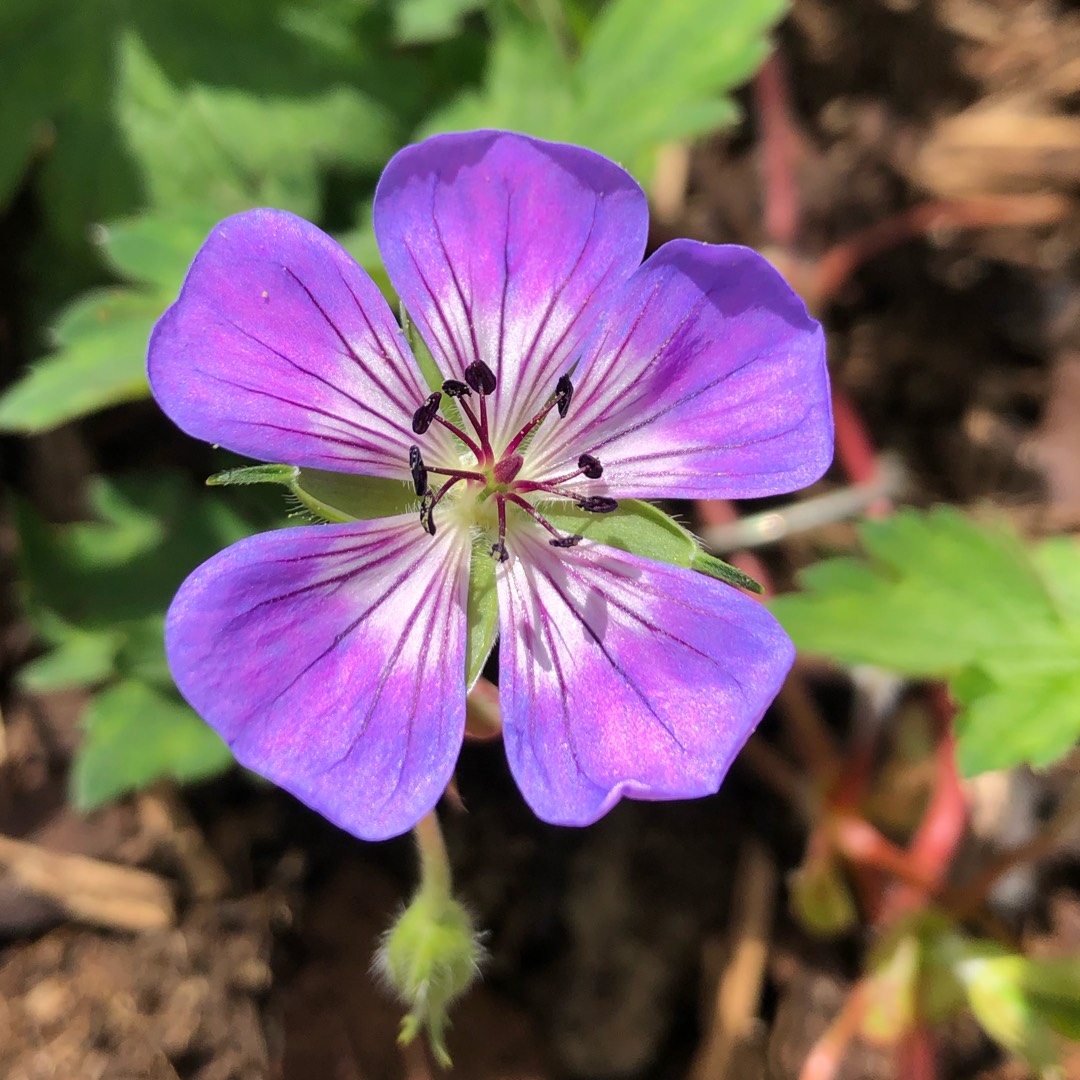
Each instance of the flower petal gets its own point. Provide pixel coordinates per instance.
(331, 658)
(505, 249)
(624, 677)
(282, 348)
(709, 382)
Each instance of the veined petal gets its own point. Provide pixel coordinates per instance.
(506, 249)
(282, 348)
(623, 677)
(331, 658)
(708, 381)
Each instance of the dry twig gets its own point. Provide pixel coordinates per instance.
(91, 891)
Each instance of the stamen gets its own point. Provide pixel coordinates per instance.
(564, 392)
(560, 540)
(481, 378)
(455, 388)
(427, 412)
(431, 500)
(419, 470)
(459, 474)
(498, 549)
(598, 504)
(477, 450)
(427, 519)
(590, 466)
(506, 469)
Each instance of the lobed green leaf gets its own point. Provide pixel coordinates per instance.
(133, 735)
(940, 596)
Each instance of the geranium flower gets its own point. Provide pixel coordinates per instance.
(332, 658)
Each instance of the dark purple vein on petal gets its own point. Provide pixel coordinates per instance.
(612, 661)
(338, 436)
(540, 618)
(466, 306)
(415, 389)
(361, 405)
(452, 347)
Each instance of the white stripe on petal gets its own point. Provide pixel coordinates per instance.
(624, 677)
(332, 660)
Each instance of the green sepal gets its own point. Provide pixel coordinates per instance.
(430, 957)
(642, 529)
(331, 496)
(254, 474)
(428, 368)
(482, 619)
(704, 563)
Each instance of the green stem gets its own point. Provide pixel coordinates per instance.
(436, 882)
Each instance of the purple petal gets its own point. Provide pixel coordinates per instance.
(709, 382)
(505, 249)
(331, 659)
(624, 677)
(280, 347)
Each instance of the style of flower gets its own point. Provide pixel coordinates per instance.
(332, 657)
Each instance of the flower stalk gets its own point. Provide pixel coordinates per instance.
(432, 954)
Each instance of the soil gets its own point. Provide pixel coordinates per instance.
(243, 949)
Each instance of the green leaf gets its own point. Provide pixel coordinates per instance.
(419, 22)
(100, 338)
(231, 149)
(642, 529)
(527, 86)
(60, 62)
(647, 73)
(100, 362)
(156, 248)
(116, 575)
(940, 596)
(80, 658)
(134, 735)
(1021, 1003)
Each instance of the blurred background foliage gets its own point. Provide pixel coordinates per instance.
(130, 128)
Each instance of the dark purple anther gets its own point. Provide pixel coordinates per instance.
(564, 391)
(507, 468)
(427, 514)
(498, 552)
(598, 504)
(566, 541)
(425, 415)
(480, 377)
(590, 466)
(455, 388)
(419, 470)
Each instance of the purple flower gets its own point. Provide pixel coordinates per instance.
(332, 658)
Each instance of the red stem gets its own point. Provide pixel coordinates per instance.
(837, 265)
(779, 143)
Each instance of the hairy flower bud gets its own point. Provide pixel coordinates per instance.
(430, 957)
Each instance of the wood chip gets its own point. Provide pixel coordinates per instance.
(90, 890)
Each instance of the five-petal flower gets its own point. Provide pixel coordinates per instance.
(332, 658)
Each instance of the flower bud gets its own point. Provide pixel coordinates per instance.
(430, 957)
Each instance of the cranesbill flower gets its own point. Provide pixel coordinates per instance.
(571, 377)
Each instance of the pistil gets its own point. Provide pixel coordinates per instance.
(498, 477)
